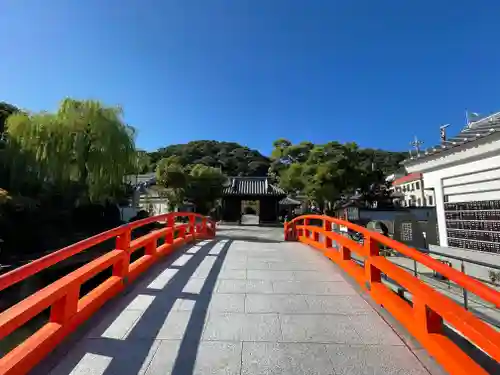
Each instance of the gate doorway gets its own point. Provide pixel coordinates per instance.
(250, 212)
(251, 201)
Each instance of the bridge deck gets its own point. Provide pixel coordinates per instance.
(244, 303)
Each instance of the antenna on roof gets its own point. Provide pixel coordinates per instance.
(416, 144)
(442, 130)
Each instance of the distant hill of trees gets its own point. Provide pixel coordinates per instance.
(233, 158)
(237, 160)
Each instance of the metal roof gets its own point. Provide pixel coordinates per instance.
(252, 186)
(474, 131)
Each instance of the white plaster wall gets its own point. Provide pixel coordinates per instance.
(462, 167)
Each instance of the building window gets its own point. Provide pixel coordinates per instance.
(412, 187)
(419, 202)
(417, 185)
(429, 199)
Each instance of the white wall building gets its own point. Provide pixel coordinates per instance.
(413, 191)
(146, 196)
(464, 173)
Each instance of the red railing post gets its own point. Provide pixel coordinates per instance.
(204, 226)
(327, 226)
(120, 269)
(192, 219)
(305, 233)
(169, 237)
(150, 248)
(182, 232)
(428, 320)
(372, 274)
(315, 236)
(62, 310)
(345, 253)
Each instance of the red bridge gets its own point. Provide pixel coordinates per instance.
(191, 297)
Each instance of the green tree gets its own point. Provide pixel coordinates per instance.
(173, 178)
(6, 110)
(233, 158)
(84, 142)
(205, 187)
(142, 162)
(293, 178)
(326, 172)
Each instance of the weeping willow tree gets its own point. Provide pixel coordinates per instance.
(142, 162)
(84, 142)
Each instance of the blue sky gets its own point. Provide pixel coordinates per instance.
(252, 71)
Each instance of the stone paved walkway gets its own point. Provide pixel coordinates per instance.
(245, 303)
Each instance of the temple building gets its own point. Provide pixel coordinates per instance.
(259, 189)
(463, 173)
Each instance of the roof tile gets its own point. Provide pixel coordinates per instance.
(252, 186)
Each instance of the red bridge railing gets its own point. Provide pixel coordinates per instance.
(68, 309)
(425, 317)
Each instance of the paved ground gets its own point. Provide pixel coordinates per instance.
(245, 303)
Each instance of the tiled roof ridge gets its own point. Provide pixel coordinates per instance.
(476, 130)
(252, 185)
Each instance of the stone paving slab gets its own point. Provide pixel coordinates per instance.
(245, 303)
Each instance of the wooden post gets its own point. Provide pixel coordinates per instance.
(327, 226)
(372, 274)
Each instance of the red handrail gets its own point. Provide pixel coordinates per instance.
(425, 318)
(67, 309)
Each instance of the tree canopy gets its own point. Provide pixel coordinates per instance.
(237, 160)
(328, 172)
(6, 110)
(83, 142)
(61, 173)
(233, 158)
(200, 184)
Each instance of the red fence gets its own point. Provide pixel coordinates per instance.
(425, 316)
(68, 309)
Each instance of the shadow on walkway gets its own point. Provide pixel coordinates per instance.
(164, 310)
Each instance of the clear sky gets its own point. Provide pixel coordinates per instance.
(252, 71)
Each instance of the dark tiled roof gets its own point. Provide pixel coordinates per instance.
(252, 186)
(142, 181)
(290, 202)
(140, 178)
(476, 130)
